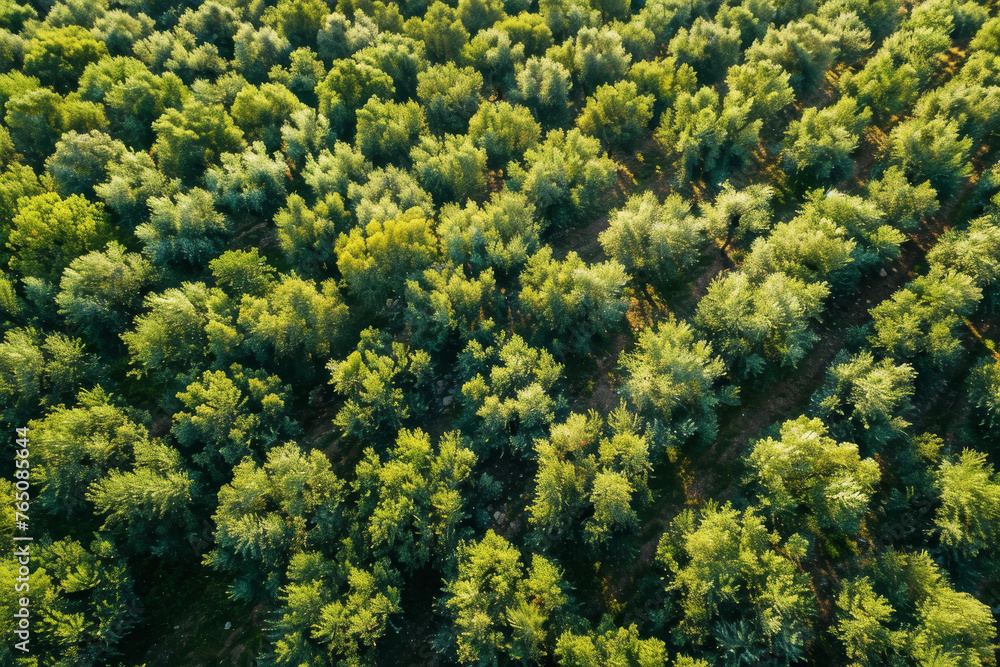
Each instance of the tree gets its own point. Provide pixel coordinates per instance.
(543, 85)
(170, 341)
(807, 248)
(984, 392)
(149, 505)
(739, 216)
(664, 79)
(333, 170)
(451, 95)
(232, 415)
(511, 389)
(304, 72)
(567, 178)
(477, 15)
(808, 468)
(49, 232)
(443, 301)
(377, 260)
(386, 195)
(58, 56)
(190, 139)
(133, 181)
(37, 372)
(38, 118)
(621, 646)
(411, 504)
(298, 21)
(271, 512)
(135, 102)
(571, 302)
(862, 626)
(183, 229)
(864, 400)
(353, 83)
(675, 384)
(381, 382)
(757, 325)
(968, 519)
(441, 31)
(299, 323)
(504, 131)
(922, 318)
(78, 446)
(496, 55)
(616, 114)
(240, 272)
(709, 48)
(256, 52)
(655, 242)
(100, 291)
(305, 135)
(249, 182)
(451, 169)
(705, 138)
(497, 606)
(260, 112)
(738, 594)
(819, 144)
(81, 161)
(973, 251)
(501, 234)
(932, 150)
(803, 48)
(307, 236)
(85, 601)
(387, 130)
(903, 203)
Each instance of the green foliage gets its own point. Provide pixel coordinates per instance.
(921, 319)
(504, 131)
(250, 182)
(808, 248)
(451, 95)
(616, 114)
(58, 56)
(567, 178)
(81, 161)
(932, 150)
(734, 584)
(307, 236)
(376, 261)
(673, 382)
(973, 251)
(968, 518)
(984, 392)
(230, 416)
(411, 505)
(864, 400)
(38, 118)
(544, 85)
(739, 216)
(498, 607)
(260, 112)
(614, 647)
(184, 229)
(49, 232)
(501, 234)
(806, 468)
(497, 55)
(100, 291)
(383, 383)
(451, 169)
(902, 203)
(240, 272)
(39, 371)
(295, 323)
(387, 130)
(78, 446)
(298, 21)
(256, 52)
(270, 512)
(819, 145)
(387, 195)
(709, 48)
(192, 138)
(150, 505)
(759, 325)
(132, 183)
(656, 243)
(511, 388)
(443, 301)
(571, 302)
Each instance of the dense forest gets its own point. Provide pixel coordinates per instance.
(545, 332)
